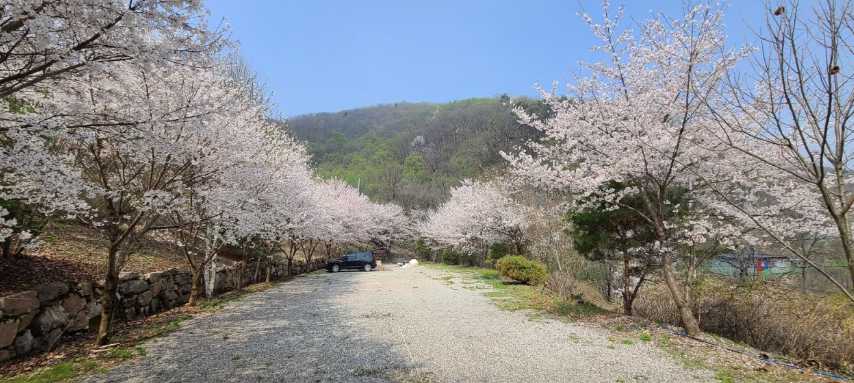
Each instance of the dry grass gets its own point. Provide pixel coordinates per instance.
(565, 286)
(87, 246)
(729, 361)
(816, 330)
(516, 296)
(71, 252)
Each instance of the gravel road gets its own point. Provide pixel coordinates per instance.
(393, 326)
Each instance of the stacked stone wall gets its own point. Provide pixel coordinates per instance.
(35, 320)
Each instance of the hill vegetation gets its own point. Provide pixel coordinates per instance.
(412, 153)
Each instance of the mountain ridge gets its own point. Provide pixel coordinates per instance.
(411, 153)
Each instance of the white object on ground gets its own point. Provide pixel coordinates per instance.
(413, 261)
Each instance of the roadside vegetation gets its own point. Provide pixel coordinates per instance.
(730, 361)
(510, 295)
(780, 332)
(817, 330)
(522, 270)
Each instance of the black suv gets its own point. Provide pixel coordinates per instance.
(359, 261)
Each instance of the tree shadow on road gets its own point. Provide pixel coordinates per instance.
(296, 332)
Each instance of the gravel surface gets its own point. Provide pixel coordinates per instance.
(399, 326)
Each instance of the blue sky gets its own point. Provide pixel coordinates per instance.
(323, 56)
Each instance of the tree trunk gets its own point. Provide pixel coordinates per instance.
(628, 302)
(242, 276)
(328, 250)
(627, 295)
(291, 254)
(108, 298)
(210, 277)
(196, 287)
(845, 238)
(689, 323)
(609, 294)
(310, 253)
(517, 242)
(257, 270)
(269, 270)
(7, 247)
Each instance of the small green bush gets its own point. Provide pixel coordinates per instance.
(422, 251)
(521, 269)
(497, 251)
(449, 257)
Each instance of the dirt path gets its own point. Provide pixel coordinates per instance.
(400, 326)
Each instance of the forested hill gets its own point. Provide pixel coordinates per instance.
(412, 153)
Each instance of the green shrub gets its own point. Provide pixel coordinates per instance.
(422, 251)
(521, 269)
(449, 257)
(497, 251)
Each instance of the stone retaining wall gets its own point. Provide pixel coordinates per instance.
(35, 320)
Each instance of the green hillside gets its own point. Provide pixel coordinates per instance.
(412, 153)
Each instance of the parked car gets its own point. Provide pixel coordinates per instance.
(359, 261)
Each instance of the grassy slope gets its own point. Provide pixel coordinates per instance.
(71, 252)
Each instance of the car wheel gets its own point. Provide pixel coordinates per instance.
(335, 268)
(368, 267)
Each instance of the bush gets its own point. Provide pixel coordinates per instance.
(449, 257)
(521, 269)
(422, 251)
(496, 251)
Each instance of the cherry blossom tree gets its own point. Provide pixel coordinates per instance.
(476, 214)
(224, 178)
(274, 184)
(126, 150)
(299, 217)
(258, 188)
(638, 119)
(785, 124)
(340, 202)
(46, 43)
(348, 216)
(43, 42)
(388, 223)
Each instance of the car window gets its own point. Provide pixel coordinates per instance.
(358, 257)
